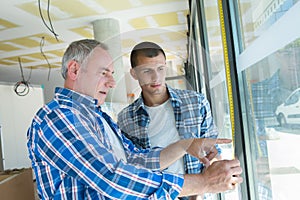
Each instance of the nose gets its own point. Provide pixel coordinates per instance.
(110, 83)
(155, 75)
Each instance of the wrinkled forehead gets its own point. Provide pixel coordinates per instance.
(101, 58)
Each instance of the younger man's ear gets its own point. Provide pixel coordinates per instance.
(133, 74)
(73, 68)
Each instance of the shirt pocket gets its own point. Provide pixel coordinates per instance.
(192, 126)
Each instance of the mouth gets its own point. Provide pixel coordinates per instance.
(155, 85)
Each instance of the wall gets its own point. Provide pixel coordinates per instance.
(16, 113)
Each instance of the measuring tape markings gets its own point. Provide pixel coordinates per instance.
(227, 71)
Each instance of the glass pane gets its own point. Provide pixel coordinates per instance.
(273, 95)
(178, 82)
(270, 69)
(217, 83)
(214, 37)
(258, 15)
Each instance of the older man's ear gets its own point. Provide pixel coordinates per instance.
(73, 68)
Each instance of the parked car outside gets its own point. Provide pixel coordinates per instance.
(289, 111)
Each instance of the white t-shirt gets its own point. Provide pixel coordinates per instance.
(115, 142)
(162, 131)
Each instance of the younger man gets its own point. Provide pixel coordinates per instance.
(163, 115)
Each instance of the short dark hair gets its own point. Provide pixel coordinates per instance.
(148, 49)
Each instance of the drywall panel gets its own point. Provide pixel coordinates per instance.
(16, 113)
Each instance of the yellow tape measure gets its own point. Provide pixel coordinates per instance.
(227, 71)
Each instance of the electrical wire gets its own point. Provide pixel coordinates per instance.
(51, 29)
(43, 54)
(50, 22)
(21, 88)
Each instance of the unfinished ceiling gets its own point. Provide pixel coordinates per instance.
(24, 36)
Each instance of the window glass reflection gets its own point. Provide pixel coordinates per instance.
(217, 83)
(257, 16)
(272, 87)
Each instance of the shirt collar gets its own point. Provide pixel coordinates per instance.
(64, 93)
(174, 98)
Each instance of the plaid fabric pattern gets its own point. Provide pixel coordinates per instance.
(266, 96)
(192, 115)
(72, 157)
(264, 192)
